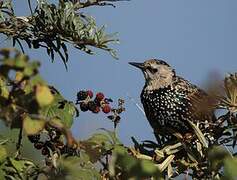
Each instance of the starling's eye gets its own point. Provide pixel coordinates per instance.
(152, 70)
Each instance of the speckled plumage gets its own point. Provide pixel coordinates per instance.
(169, 100)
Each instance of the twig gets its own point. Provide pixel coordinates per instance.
(19, 42)
(138, 106)
(96, 3)
(29, 4)
(18, 145)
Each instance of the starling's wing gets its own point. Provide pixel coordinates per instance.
(199, 103)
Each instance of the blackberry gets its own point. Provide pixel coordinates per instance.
(45, 151)
(39, 145)
(97, 102)
(81, 95)
(83, 106)
(54, 134)
(50, 145)
(34, 138)
(170, 101)
(91, 105)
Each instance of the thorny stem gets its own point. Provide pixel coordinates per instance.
(96, 3)
(18, 145)
(30, 7)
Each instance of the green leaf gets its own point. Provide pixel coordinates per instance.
(77, 168)
(97, 145)
(3, 154)
(18, 165)
(33, 126)
(148, 167)
(44, 96)
(113, 136)
(56, 122)
(60, 108)
(216, 156)
(230, 166)
(35, 80)
(99, 138)
(133, 168)
(4, 92)
(65, 115)
(28, 71)
(54, 25)
(17, 169)
(2, 173)
(21, 61)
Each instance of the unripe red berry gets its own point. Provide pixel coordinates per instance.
(90, 93)
(97, 109)
(100, 96)
(106, 109)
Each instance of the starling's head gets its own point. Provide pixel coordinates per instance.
(157, 73)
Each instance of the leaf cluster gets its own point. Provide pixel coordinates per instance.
(26, 101)
(53, 27)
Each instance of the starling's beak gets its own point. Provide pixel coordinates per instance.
(138, 65)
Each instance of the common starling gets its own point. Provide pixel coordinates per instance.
(170, 101)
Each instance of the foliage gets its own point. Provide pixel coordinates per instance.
(26, 98)
(52, 27)
(40, 113)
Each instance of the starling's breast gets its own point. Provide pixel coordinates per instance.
(166, 107)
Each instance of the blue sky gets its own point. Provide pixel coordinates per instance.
(196, 37)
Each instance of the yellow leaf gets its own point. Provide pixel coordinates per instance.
(19, 76)
(3, 88)
(3, 154)
(33, 126)
(44, 96)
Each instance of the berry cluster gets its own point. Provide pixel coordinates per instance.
(51, 144)
(40, 145)
(86, 101)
